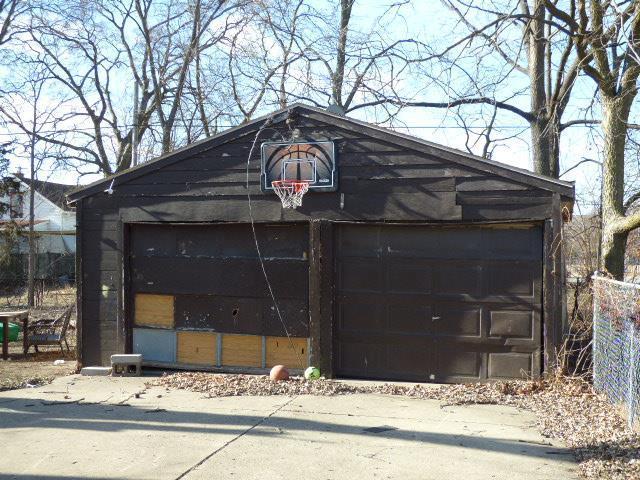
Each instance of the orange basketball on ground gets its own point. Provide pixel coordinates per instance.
(279, 372)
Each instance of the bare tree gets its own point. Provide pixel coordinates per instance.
(82, 55)
(481, 133)
(9, 11)
(261, 52)
(94, 51)
(25, 108)
(200, 64)
(171, 57)
(530, 44)
(348, 66)
(607, 38)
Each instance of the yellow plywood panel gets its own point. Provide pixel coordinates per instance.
(281, 352)
(197, 348)
(241, 350)
(153, 310)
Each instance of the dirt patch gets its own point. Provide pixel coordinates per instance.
(35, 369)
(567, 409)
(38, 368)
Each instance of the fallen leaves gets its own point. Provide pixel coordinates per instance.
(221, 385)
(567, 409)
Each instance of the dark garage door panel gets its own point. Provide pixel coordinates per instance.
(214, 274)
(440, 304)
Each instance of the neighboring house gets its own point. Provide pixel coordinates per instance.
(54, 225)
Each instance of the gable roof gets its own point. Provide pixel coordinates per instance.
(54, 192)
(565, 189)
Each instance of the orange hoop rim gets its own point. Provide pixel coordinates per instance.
(298, 185)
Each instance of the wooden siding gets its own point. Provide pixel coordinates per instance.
(315, 124)
(377, 180)
(100, 278)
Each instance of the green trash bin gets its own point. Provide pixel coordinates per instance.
(14, 330)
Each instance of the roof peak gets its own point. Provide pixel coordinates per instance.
(384, 133)
(52, 191)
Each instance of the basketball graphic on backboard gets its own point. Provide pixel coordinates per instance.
(312, 162)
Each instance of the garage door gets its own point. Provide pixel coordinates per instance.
(438, 304)
(198, 295)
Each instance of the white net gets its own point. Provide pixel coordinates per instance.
(290, 192)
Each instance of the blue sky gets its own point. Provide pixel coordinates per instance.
(431, 23)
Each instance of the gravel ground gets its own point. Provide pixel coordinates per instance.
(566, 409)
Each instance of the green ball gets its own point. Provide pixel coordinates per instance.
(312, 373)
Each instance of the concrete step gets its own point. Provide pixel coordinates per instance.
(96, 371)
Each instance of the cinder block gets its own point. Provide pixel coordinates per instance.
(126, 365)
(96, 371)
(126, 358)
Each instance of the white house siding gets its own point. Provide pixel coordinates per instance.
(55, 227)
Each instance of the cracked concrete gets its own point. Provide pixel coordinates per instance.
(103, 427)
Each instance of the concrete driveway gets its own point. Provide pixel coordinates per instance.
(90, 427)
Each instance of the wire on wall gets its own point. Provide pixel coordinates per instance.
(265, 125)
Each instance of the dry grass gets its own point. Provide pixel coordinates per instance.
(50, 299)
(34, 369)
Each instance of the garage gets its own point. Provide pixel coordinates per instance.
(309, 238)
(438, 304)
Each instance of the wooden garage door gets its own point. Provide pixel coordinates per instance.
(438, 304)
(213, 279)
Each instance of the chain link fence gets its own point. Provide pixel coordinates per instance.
(616, 344)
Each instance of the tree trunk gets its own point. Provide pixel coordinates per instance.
(338, 76)
(544, 137)
(200, 98)
(31, 268)
(166, 139)
(541, 146)
(615, 113)
(545, 146)
(614, 246)
(554, 147)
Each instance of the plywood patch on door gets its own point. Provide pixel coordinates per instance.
(241, 350)
(153, 310)
(280, 351)
(197, 348)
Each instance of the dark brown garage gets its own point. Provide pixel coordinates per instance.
(406, 260)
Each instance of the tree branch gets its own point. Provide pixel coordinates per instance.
(455, 103)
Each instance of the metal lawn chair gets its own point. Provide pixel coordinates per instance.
(50, 331)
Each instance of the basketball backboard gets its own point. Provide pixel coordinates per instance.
(313, 162)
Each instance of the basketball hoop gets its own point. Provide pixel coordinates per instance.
(290, 192)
